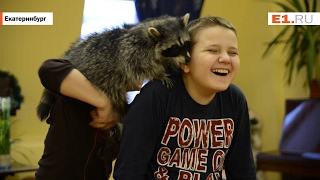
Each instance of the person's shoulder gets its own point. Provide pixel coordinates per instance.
(235, 88)
(54, 63)
(235, 92)
(153, 84)
(158, 85)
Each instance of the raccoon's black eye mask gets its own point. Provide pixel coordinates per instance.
(177, 50)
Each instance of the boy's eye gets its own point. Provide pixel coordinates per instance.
(213, 50)
(233, 53)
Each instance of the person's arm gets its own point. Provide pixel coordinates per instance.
(77, 86)
(239, 162)
(61, 77)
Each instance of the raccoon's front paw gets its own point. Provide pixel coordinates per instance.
(167, 82)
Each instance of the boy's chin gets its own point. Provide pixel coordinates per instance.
(222, 87)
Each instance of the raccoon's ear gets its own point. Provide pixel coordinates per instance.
(185, 19)
(154, 32)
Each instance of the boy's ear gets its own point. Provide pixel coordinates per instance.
(184, 67)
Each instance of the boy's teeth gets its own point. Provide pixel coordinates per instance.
(220, 70)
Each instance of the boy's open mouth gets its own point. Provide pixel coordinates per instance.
(220, 72)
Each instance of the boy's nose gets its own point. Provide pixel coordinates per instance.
(224, 58)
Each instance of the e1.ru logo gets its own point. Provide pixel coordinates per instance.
(293, 18)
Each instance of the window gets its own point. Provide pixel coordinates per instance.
(101, 14)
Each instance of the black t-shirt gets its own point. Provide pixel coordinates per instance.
(73, 149)
(169, 136)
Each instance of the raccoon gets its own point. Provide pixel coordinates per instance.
(123, 57)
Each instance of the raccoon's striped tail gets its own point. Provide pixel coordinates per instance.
(47, 101)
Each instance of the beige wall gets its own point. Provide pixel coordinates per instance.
(24, 48)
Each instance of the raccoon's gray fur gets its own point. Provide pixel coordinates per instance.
(120, 58)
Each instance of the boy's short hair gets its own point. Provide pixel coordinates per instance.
(208, 21)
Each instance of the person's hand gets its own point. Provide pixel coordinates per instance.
(104, 116)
